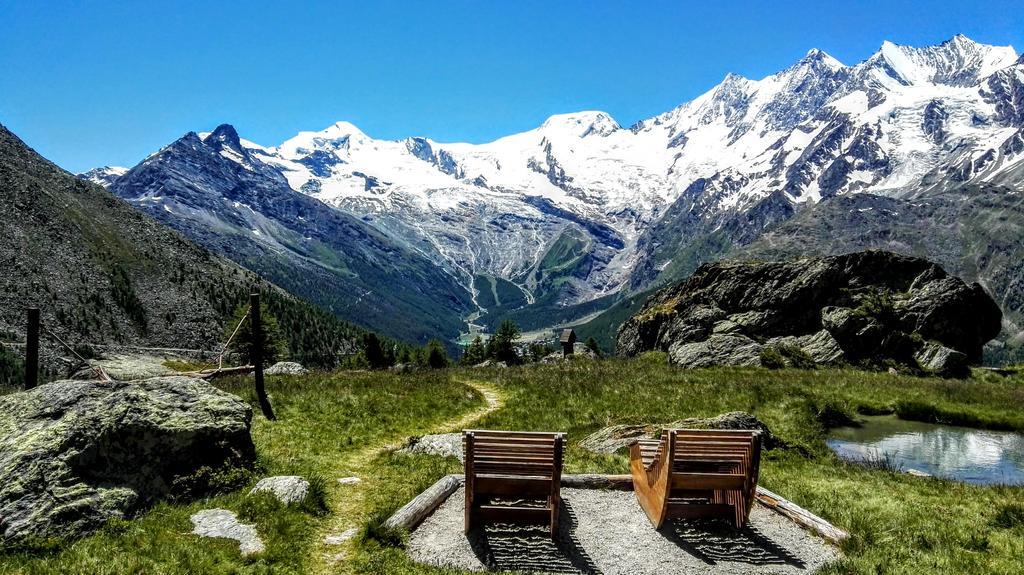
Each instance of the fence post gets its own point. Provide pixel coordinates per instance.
(32, 349)
(257, 355)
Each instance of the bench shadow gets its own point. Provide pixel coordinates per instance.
(520, 548)
(714, 540)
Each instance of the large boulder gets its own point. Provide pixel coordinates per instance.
(613, 438)
(74, 454)
(286, 368)
(864, 307)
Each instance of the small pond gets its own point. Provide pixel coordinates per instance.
(970, 455)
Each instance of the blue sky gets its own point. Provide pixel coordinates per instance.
(93, 83)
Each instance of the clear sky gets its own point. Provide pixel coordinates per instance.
(94, 83)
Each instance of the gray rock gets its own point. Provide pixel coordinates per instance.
(734, 420)
(286, 368)
(718, 349)
(74, 454)
(443, 444)
(224, 524)
(613, 438)
(579, 350)
(287, 489)
(820, 346)
(492, 363)
(404, 368)
(126, 367)
(865, 307)
(942, 360)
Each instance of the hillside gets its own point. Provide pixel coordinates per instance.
(102, 272)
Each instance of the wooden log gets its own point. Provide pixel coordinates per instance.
(211, 374)
(594, 481)
(414, 512)
(801, 516)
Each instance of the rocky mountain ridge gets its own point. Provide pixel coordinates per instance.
(572, 215)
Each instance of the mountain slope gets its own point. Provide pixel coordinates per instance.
(582, 212)
(102, 272)
(216, 192)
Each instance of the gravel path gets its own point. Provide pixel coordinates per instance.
(607, 532)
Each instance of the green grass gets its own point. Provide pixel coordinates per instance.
(324, 421)
(332, 426)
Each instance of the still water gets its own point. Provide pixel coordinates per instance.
(961, 453)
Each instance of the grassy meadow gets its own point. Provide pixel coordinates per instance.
(345, 423)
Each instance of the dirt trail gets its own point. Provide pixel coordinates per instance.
(348, 503)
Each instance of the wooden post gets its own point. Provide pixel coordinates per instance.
(257, 355)
(32, 349)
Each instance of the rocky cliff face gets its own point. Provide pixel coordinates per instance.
(865, 307)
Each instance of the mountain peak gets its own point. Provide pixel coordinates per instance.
(582, 124)
(958, 61)
(340, 129)
(816, 56)
(224, 135)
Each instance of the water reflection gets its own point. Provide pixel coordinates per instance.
(961, 453)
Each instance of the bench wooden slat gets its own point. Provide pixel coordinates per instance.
(514, 465)
(525, 486)
(517, 515)
(697, 473)
(726, 481)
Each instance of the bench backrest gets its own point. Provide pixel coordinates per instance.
(513, 453)
(695, 450)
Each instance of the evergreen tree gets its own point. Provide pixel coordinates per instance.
(594, 347)
(273, 344)
(476, 352)
(502, 346)
(437, 357)
(374, 351)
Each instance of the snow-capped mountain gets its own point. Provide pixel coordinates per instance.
(212, 189)
(581, 209)
(103, 176)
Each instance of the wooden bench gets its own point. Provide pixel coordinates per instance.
(512, 465)
(696, 473)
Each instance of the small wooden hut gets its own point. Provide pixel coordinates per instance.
(568, 340)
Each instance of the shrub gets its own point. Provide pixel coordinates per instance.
(797, 357)
(208, 481)
(315, 502)
(834, 414)
(771, 358)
